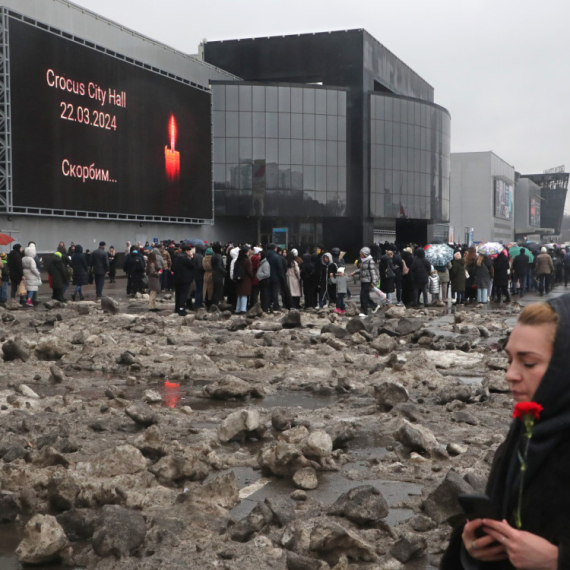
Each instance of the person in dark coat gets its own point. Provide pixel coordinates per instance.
(134, 266)
(471, 268)
(501, 277)
(245, 286)
(407, 282)
(398, 265)
(521, 264)
(283, 284)
(277, 277)
(387, 275)
(483, 276)
(199, 276)
(218, 274)
(80, 271)
(537, 350)
(457, 277)
(100, 264)
(153, 273)
(309, 278)
(184, 271)
(16, 270)
(420, 270)
(112, 255)
(59, 276)
(328, 268)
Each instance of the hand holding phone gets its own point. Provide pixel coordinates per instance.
(478, 507)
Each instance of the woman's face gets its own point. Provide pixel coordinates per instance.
(529, 351)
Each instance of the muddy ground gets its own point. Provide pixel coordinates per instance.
(138, 440)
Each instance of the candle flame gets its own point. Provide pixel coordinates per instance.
(173, 133)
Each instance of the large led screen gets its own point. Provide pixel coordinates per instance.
(93, 133)
(503, 200)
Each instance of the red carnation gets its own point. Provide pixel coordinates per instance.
(523, 409)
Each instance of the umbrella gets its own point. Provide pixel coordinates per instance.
(5, 239)
(514, 251)
(194, 242)
(439, 255)
(491, 248)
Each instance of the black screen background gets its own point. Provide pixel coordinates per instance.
(133, 154)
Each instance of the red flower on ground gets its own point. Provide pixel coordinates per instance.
(523, 409)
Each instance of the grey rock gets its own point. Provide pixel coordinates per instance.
(337, 331)
(282, 419)
(416, 437)
(291, 319)
(384, 344)
(298, 562)
(328, 536)
(318, 444)
(306, 479)
(441, 504)
(56, 374)
(188, 465)
(78, 524)
(495, 382)
(421, 523)
(283, 509)
(390, 394)
(43, 542)
(237, 324)
(464, 417)
(127, 358)
(396, 312)
(14, 350)
(237, 425)
(355, 325)
(255, 312)
(62, 492)
(13, 305)
(121, 532)
(407, 326)
(52, 348)
(110, 305)
(364, 505)
(449, 393)
(228, 387)
(409, 545)
(141, 414)
(10, 507)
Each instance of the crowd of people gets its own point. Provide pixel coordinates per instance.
(243, 275)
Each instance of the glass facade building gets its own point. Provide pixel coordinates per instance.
(279, 150)
(330, 131)
(409, 159)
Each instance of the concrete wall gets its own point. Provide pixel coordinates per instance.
(48, 232)
(93, 27)
(472, 196)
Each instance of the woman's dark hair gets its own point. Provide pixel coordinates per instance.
(290, 259)
(133, 248)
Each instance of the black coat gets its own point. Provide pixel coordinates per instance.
(218, 266)
(100, 261)
(457, 275)
(15, 266)
(134, 266)
(501, 278)
(184, 269)
(420, 268)
(278, 272)
(386, 283)
(521, 264)
(58, 273)
(80, 267)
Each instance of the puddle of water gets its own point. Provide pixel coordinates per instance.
(275, 400)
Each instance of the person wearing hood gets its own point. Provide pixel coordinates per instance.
(277, 276)
(230, 285)
(544, 269)
(284, 285)
(263, 278)
(532, 504)
(387, 274)
(134, 266)
(242, 269)
(309, 277)
(420, 270)
(255, 261)
(65, 259)
(80, 272)
(38, 261)
(520, 270)
(16, 270)
(326, 289)
(457, 276)
(208, 289)
(57, 271)
(32, 276)
(407, 282)
(294, 280)
(483, 278)
(199, 276)
(501, 277)
(184, 272)
(218, 274)
(471, 273)
(369, 276)
(298, 259)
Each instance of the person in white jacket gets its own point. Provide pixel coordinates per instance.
(32, 276)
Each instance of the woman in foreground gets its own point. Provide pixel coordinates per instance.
(538, 352)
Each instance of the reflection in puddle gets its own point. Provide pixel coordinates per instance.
(171, 394)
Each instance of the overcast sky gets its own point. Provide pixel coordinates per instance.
(501, 67)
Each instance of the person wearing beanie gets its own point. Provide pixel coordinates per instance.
(58, 274)
(369, 276)
(544, 268)
(100, 264)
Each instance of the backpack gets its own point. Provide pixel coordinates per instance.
(238, 274)
(264, 271)
(138, 264)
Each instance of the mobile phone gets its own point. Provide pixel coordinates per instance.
(477, 507)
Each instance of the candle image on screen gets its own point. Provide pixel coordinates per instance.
(171, 155)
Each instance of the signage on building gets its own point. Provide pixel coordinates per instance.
(503, 199)
(279, 237)
(534, 212)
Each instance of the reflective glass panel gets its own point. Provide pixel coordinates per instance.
(332, 102)
(320, 101)
(245, 150)
(219, 150)
(320, 178)
(296, 100)
(296, 126)
(259, 149)
(332, 128)
(309, 152)
(296, 151)
(284, 151)
(321, 153)
(271, 125)
(245, 98)
(219, 97)
(284, 125)
(232, 98)
(258, 98)
(232, 124)
(232, 152)
(308, 100)
(258, 124)
(321, 127)
(308, 126)
(284, 99)
(245, 124)
(271, 150)
(219, 123)
(271, 104)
